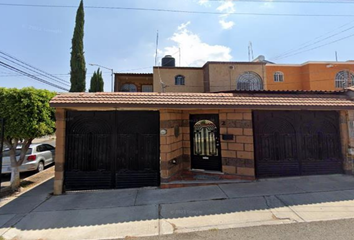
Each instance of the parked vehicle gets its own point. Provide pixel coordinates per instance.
(37, 157)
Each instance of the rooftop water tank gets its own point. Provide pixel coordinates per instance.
(168, 61)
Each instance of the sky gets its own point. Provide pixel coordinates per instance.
(125, 40)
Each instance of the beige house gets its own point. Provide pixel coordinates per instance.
(241, 76)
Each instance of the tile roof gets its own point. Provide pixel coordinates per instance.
(202, 100)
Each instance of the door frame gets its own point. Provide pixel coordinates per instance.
(217, 124)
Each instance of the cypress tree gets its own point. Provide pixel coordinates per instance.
(96, 84)
(77, 61)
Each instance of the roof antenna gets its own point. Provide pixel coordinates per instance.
(336, 56)
(157, 45)
(179, 49)
(250, 52)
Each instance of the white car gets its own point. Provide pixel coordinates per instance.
(37, 157)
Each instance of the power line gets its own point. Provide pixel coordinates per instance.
(30, 67)
(286, 1)
(39, 74)
(179, 11)
(310, 44)
(59, 74)
(307, 50)
(12, 68)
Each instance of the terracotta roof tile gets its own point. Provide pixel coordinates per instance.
(202, 99)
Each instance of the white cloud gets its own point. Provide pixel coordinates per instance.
(204, 3)
(226, 7)
(226, 24)
(195, 52)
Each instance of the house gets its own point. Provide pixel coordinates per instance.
(137, 139)
(228, 76)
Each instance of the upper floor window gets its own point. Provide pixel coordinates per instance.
(344, 79)
(146, 88)
(278, 77)
(249, 81)
(129, 87)
(179, 80)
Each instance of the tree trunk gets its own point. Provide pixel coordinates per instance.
(15, 178)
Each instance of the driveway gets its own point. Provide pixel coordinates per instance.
(150, 212)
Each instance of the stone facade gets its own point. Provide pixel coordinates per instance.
(238, 160)
(59, 151)
(347, 137)
(237, 153)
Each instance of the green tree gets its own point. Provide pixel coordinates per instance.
(27, 116)
(77, 61)
(96, 82)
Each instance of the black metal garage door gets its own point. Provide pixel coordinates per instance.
(291, 143)
(115, 149)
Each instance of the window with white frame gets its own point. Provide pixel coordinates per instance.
(278, 77)
(179, 80)
(344, 79)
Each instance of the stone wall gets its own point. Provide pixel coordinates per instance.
(171, 144)
(237, 154)
(59, 150)
(347, 140)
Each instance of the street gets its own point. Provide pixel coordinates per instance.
(339, 230)
(5, 178)
(303, 201)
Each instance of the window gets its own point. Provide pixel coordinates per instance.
(278, 77)
(6, 153)
(146, 88)
(179, 80)
(41, 148)
(344, 79)
(129, 87)
(49, 147)
(249, 81)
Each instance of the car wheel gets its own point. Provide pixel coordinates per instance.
(40, 167)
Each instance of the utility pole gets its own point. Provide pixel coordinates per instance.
(336, 56)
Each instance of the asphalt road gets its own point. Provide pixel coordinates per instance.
(5, 179)
(338, 230)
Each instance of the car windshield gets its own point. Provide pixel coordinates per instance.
(6, 153)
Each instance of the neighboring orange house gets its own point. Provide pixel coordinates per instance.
(327, 76)
(229, 76)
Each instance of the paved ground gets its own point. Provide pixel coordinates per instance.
(328, 230)
(151, 212)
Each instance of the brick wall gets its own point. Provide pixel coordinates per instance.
(347, 140)
(237, 154)
(171, 144)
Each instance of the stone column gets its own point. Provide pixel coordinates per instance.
(348, 137)
(59, 151)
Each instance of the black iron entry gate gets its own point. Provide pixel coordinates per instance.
(115, 149)
(290, 143)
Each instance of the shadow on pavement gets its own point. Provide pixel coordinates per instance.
(137, 205)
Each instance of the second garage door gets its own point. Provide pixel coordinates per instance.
(291, 143)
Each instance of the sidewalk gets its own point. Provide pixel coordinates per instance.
(115, 214)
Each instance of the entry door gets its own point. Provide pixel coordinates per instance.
(205, 144)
